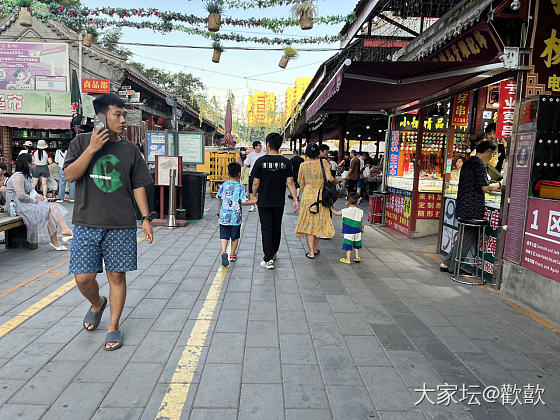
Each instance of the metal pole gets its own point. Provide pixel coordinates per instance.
(172, 222)
(80, 57)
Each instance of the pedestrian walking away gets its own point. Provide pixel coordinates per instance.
(232, 196)
(272, 172)
(41, 171)
(352, 228)
(110, 175)
(314, 221)
(473, 184)
(296, 162)
(257, 153)
(59, 157)
(353, 173)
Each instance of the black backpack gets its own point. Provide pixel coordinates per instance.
(327, 194)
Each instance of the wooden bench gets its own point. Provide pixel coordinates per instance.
(15, 232)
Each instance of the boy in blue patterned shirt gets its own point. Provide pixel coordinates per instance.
(232, 196)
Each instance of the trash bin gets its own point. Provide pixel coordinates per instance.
(194, 191)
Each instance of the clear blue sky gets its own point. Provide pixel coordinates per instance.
(239, 63)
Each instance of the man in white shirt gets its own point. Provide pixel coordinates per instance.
(250, 163)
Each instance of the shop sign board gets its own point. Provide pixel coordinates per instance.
(134, 117)
(156, 141)
(429, 206)
(35, 103)
(544, 77)
(394, 153)
(461, 110)
(191, 147)
(541, 248)
(506, 110)
(50, 83)
(409, 122)
(398, 210)
(96, 86)
(518, 197)
(22, 62)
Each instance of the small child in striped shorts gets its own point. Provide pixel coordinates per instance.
(352, 228)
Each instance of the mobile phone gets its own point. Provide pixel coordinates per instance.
(100, 120)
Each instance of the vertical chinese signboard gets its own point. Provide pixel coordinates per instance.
(394, 153)
(541, 251)
(398, 210)
(506, 111)
(544, 77)
(461, 108)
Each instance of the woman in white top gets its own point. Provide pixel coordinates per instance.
(42, 219)
(41, 161)
(456, 173)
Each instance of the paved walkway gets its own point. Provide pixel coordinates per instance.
(309, 340)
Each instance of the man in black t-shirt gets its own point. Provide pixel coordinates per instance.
(296, 161)
(272, 172)
(110, 175)
(473, 184)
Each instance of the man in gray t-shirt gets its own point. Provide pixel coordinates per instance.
(110, 175)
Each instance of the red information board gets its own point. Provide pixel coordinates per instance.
(429, 206)
(506, 111)
(461, 107)
(541, 250)
(397, 211)
(96, 86)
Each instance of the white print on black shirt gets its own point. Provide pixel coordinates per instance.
(274, 166)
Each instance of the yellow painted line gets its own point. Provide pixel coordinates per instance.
(178, 390)
(514, 305)
(33, 309)
(140, 239)
(392, 233)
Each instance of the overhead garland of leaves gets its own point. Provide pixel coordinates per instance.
(82, 14)
(258, 4)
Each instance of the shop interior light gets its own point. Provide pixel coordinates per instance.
(348, 132)
(359, 135)
(369, 138)
(515, 5)
(367, 127)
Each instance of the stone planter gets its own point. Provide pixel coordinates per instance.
(216, 56)
(284, 61)
(88, 40)
(24, 16)
(305, 22)
(214, 21)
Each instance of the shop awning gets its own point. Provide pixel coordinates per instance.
(39, 122)
(383, 86)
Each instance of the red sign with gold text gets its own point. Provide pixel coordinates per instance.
(96, 86)
(397, 211)
(461, 107)
(506, 111)
(429, 206)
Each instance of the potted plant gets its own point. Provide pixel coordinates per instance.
(215, 8)
(305, 11)
(91, 34)
(24, 12)
(218, 50)
(289, 54)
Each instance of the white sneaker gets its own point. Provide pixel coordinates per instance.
(71, 201)
(60, 201)
(268, 265)
(274, 257)
(252, 208)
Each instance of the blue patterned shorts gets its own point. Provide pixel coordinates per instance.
(91, 246)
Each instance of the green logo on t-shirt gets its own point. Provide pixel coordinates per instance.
(104, 174)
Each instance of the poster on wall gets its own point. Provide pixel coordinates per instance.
(506, 110)
(163, 165)
(398, 210)
(541, 247)
(21, 63)
(35, 103)
(191, 147)
(156, 141)
(394, 153)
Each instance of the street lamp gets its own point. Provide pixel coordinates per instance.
(515, 5)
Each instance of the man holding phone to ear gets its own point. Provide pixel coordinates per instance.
(110, 175)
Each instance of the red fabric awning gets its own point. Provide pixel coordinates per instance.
(384, 86)
(39, 122)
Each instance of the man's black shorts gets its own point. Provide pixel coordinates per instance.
(351, 185)
(251, 178)
(230, 232)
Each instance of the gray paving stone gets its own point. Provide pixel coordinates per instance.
(22, 411)
(262, 366)
(156, 347)
(213, 414)
(16, 340)
(173, 276)
(391, 337)
(303, 387)
(232, 321)
(182, 299)
(352, 324)
(308, 414)
(297, 349)
(219, 387)
(51, 381)
(259, 401)
(337, 366)
(264, 293)
(192, 284)
(326, 334)
(135, 329)
(106, 366)
(341, 303)
(9, 387)
(239, 284)
(367, 351)
(262, 311)
(79, 401)
(152, 408)
(144, 282)
(290, 322)
(262, 334)
(29, 361)
(387, 389)
(236, 300)
(171, 319)
(401, 415)
(453, 338)
(107, 413)
(227, 348)
(134, 386)
(148, 308)
(162, 291)
(350, 402)
(289, 302)
(414, 368)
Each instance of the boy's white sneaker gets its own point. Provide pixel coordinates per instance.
(252, 208)
(268, 265)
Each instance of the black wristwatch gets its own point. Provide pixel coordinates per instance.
(150, 218)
